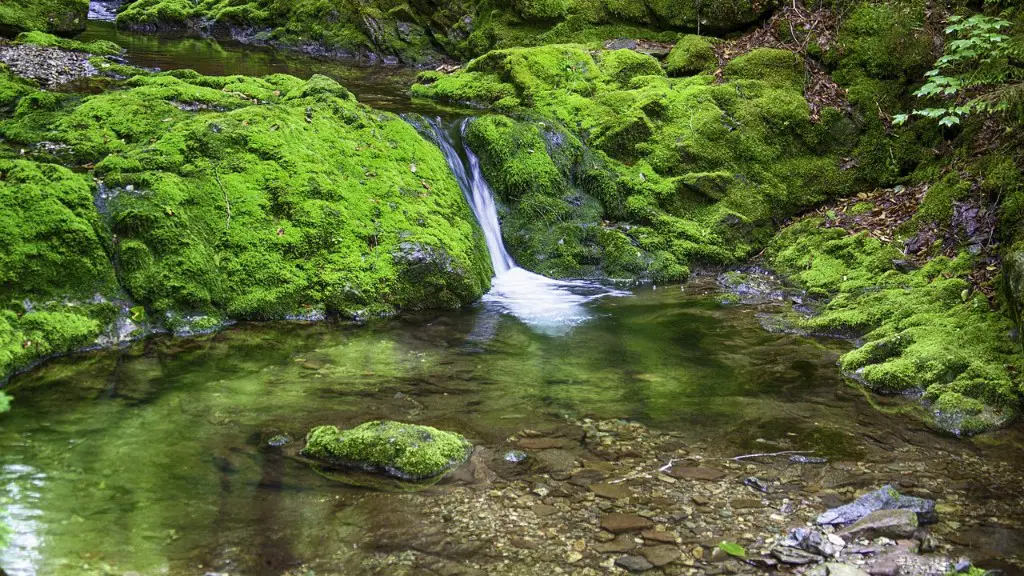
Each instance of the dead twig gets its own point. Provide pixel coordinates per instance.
(767, 454)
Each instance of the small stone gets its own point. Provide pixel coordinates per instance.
(619, 523)
(700, 500)
(746, 503)
(661, 555)
(541, 443)
(621, 543)
(634, 563)
(515, 456)
(659, 536)
(837, 569)
(796, 556)
(542, 491)
(756, 483)
(691, 473)
(612, 491)
(543, 510)
(573, 557)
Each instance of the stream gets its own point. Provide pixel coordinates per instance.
(177, 456)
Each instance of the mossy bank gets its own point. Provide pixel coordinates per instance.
(199, 199)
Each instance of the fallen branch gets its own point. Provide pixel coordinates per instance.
(766, 454)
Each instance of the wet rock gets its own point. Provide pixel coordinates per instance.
(621, 543)
(885, 498)
(795, 556)
(837, 569)
(756, 484)
(746, 503)
(617, 523)
(661, 555)
(659, 536)
(634, 563)
(884, 523)
(399, 450)
(48, 66)
(812, 541)
(515, 456)
(541, 443)
(279, 440)
(800, 459)
(611, 491)
(701, 473)
(542, 510)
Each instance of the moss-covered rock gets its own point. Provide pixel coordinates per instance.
(58, 16)
(266, 198)
(404, 451)
(691, 55)
(96, 47)
(54, 267)
(922, 331)
(607, 167)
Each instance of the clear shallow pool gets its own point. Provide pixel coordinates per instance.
(155, 458)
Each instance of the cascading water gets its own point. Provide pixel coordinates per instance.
(548, 305)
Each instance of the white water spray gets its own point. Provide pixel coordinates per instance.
(551, 306)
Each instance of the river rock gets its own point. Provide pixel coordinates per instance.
(659, 536)
(885, 498)
(634, 563)
(621, 543)
(661, 555)
(811, 541)
(403, 451)
(541, 443)
(888, 523)
(612, 491)
(837, 569)
(796, 556)
(691, 473)
(618, 523)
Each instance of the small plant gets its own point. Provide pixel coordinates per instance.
(980, 71)
(732, 549)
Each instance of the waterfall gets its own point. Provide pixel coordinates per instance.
(550, 306)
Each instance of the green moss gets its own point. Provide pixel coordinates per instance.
(686, 171)
(691, 55)
(98, 47)
(780, 68)
(406, 451)
(59, 16)
(922, 331)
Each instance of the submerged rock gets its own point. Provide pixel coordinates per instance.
(396, 449)
(885, 498)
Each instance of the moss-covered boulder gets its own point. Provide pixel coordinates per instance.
(606, 167)
(923, 331)
(55, 272)
(404, 451)
(58, 16)
(236, 197)
(691, 55)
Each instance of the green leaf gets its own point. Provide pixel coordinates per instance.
(138, 313)
(949, 121)
(900, 119)
(732, 549)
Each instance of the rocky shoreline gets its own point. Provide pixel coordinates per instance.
(601, 497)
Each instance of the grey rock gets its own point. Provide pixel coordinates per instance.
(885, 498)
(888, 523)
(796, 556)
(837, 569)
(809, 540)
(634, 563)
(515, 456)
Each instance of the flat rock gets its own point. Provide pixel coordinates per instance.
(634, 563)
(621, 543)
(884, 523)
(661, 555)
(618, 523)
(543, 510)
(613, 491)
(885, 498)
(796, 556)
(659, 536)
(837, 569)
(587, 477)
(691, 473)
(746, 503)
(541, 443)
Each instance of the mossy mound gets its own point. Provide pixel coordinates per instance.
(54, 268)
(376, 30)
(922, 331)
(608, 167)
(404, 451)
(58, 16)
(97, 47)
(267, 198)
(691, 55)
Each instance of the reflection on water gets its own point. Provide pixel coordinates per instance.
(156, 458)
